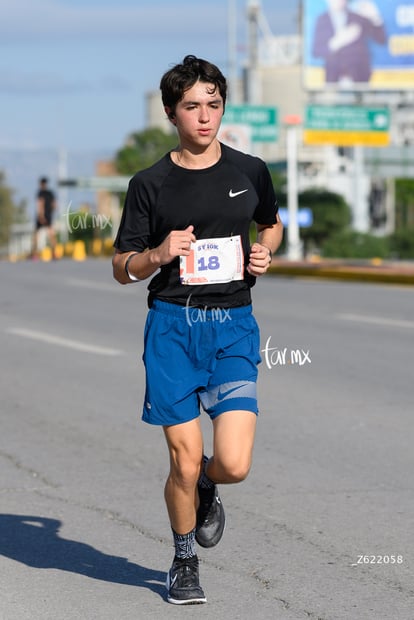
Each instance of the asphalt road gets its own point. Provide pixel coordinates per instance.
(322, 528)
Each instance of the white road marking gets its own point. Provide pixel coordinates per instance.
(376, 320)
(62, 342)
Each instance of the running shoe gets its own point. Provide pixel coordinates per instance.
(183, 584)
(210, 517)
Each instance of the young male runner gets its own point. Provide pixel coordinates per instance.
(189, 216)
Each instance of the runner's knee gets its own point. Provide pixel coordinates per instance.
(185, 470)
(233, 469)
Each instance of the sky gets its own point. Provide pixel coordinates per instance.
(74, 73)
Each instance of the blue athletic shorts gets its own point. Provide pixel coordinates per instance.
(194, 357)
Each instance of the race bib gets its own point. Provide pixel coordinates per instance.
(213, 261)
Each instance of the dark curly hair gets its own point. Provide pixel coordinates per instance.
(175, 82)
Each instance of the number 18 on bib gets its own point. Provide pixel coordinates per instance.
(213, 261)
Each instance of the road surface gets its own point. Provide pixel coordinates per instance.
(321, 529)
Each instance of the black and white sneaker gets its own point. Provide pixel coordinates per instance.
(183, 583)
(210, 517)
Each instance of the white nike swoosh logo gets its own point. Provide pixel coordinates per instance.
(234, 194)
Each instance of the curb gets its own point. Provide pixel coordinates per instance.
(392, 274)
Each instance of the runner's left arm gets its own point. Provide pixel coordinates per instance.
(268, 240)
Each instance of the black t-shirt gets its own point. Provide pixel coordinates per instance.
(219, 201)
(48, 199)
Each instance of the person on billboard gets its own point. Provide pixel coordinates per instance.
(342, 36)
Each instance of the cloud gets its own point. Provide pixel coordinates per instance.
(55, 19)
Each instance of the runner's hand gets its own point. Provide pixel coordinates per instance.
(177, 243)
(260, 260)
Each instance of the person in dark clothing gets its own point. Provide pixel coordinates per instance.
(45, 208)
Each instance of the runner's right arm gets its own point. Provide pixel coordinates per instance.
(143, 264)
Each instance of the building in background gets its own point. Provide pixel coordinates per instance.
(290, 73)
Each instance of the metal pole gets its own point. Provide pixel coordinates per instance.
(294, 249)
(63, 203)
(253, 85)
(360, 211)
(232, 50)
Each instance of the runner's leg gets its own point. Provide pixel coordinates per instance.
(234, 433)
(185, 445)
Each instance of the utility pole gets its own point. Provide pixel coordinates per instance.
(232, 50)
(361, 216)
(253, 90)
(62, 202)
(293, 238)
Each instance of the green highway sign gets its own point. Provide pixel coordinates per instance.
(346, 125)
(353, 118)
(263, 120)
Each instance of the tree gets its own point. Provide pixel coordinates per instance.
(404, 203)
(402, 244)
(143, 149)
(278, 179)
(354, 244)
(331, 215)
(10, 213)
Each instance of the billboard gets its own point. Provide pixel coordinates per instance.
(358, 45)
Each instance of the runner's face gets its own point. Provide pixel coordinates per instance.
(198, 115)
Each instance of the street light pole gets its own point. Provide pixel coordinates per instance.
(294, 248)
(232, 50)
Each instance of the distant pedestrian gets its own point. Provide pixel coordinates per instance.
(189, 217)
(45, 208)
